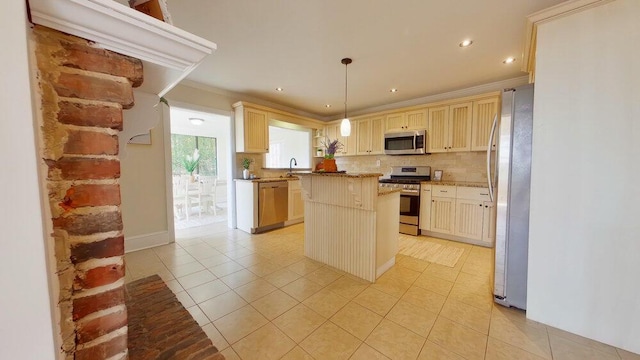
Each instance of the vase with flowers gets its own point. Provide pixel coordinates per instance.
(190, 163)
(246, 162)
(331, 147)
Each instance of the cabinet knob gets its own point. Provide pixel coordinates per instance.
(433, 201)
(480, 205)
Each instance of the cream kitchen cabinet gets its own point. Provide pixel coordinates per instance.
(252, 129)
(370, 136)
(475, 218)
(443, 209)
(469, 218)
(484, 111)
(488, 223)
(460, 213)
(296, 203)
(348, 142)
(404, 121)
(450, 128)
(425, 207)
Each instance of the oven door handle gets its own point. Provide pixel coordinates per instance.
(410, 192)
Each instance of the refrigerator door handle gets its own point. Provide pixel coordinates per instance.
(491, 135)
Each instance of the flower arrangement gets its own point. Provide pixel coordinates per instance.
(331, 147)
(246, 162)
(191, 161)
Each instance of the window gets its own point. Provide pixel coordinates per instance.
(183, 145)
(288, 141)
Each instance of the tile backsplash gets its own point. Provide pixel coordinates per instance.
(456, 166)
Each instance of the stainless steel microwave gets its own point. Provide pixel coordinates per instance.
(405, 143)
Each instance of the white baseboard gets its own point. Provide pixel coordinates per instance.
(140, 242)
(386, 266)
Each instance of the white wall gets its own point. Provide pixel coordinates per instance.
(584, 229)
(143, 179)
(26, 325)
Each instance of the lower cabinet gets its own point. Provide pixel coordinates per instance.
(469, 218)
(458, 213)
(425, 207)
(296, 203)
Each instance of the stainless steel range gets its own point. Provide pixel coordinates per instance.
(407, 179)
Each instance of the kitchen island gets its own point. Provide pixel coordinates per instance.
(350, 223)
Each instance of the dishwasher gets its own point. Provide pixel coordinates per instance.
(273, 204)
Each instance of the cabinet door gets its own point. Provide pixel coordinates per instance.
(469, 219)
(443, 211)
(425, 207)
(377, 136)
(438, 133)
(416, 120)
(363, 146)
(256, 131)
(460, 127)
(484, 111)
(395, 122)
(489, 222)
(296, 211)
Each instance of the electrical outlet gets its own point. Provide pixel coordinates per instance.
(378, 163)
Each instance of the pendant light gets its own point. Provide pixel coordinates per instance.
(345, 125)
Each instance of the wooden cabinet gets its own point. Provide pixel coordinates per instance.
(252, 130)
(458, 213)
(370, 136)
(425, 207)
(450, 128)
(484, 112)
(296, 203)
(488, 223)
(469, 218)
(348, 142)
(403, 121)
(443, 209)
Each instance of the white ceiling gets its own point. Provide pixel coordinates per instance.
(411, 45)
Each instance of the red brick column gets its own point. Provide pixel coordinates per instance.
(82, 91)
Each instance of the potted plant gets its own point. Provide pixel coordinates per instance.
(246, 162)
(191, 162)
(330, 149)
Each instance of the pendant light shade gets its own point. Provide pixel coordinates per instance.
(345, 125)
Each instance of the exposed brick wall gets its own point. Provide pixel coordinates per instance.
(83, 90)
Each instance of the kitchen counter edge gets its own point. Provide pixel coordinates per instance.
(457, 183)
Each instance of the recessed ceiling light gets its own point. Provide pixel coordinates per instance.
(196, 121)
(393, 90)
(279, 89)
(509, 60)
(465, 43)
(328, 106)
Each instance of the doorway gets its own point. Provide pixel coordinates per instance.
(200, 169)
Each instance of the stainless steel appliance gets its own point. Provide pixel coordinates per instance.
(405, 143)
(514, 180)
(407, 179)
(273, 204)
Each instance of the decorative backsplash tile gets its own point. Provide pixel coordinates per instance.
(456, 166)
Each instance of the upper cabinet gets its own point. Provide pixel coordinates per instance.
(348, 142)
(408, 120)
(252, 129)
(484, 113)
(450, 128)
(370, 136)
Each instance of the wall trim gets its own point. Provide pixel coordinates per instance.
(146, 241)
(386, 266)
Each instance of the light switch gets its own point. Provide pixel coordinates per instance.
(378, 163)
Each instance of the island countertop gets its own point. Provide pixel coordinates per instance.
(339, 174)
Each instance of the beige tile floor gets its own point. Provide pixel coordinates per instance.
(258, 297)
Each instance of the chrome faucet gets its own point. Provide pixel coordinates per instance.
(295, 163)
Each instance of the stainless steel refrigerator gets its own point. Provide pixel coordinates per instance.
(513, 160)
